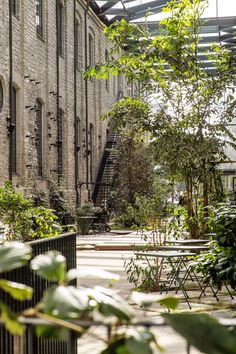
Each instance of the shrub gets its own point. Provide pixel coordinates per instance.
(22, 220)
(219, 264)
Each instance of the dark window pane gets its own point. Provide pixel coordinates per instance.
(91, 51)
(61, 21)
(39, 17)
(15, 7)
(77, 45)
(107, 80)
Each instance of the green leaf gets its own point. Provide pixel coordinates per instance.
(50, 265)
(16, 290)
(66, 302)
(117, 347)
(91, 273)
(10, 320)
(13, 255)
(138, 342)
(204, 332)
(170, 303)
(148, 299)
(110, 304)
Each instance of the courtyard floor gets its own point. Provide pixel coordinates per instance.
(113, 261)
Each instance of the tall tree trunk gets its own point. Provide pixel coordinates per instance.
(191, 215)
(205, 186)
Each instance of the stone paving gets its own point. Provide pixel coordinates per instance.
(113, 261)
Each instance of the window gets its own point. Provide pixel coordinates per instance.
(61, 26)
(107, 59)
(1, 96)
(14, 123)
(39, 17)
(59, 142)
(91, 50)
(39, 135)
(77, 44)
(15, 7)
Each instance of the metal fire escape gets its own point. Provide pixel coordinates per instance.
(106, 171)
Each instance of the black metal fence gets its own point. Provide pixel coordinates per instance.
(66, 244)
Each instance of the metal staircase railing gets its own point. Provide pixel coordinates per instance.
(105, 175)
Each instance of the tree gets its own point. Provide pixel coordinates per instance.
(134, 168)
(193, 105)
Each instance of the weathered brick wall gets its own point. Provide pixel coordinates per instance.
(35, 77)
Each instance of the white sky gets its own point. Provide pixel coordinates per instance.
(225, 7)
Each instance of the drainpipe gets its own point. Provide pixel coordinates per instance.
(76, 154)
(58, 82)
(10, 125)
(86, 94)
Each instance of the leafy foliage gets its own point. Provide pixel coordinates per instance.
(139, 193)
(63, 303)
(218, 265)
(188, 125)
(204, 332)
(24, 221)
(13, 255)
(60, 206)
(84, 217)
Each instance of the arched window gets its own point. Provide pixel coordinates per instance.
(60, 142)
(91, 50)
(61, 28)
(39, 17)
(14, 123)
(39, 140)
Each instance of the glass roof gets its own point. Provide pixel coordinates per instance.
(219, 18)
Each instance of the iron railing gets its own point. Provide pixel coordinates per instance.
(70, 346)
(27, 341)
(66, 244)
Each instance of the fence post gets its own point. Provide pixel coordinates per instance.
(72, 343)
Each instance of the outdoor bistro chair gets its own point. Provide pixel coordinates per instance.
(176, 262)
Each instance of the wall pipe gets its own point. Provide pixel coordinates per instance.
(59, 169)
(76, 154)
(86, 95)
(11, 127)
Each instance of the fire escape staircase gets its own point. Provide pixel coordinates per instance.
(105, 175)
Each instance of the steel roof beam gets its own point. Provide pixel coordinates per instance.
(143, 8)
(205, 22)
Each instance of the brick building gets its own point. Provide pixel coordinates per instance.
(51, 130)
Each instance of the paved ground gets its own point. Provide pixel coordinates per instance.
(113, 261)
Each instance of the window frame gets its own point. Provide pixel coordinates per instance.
(77, 45)
(91, 49)
(61, 29)
(107, 81)
(16, 8)
(40, 18)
